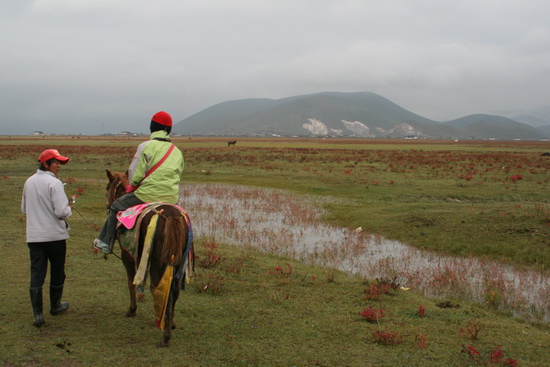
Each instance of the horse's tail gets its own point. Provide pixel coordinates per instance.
(174, 239)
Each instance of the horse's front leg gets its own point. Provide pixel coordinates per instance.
(133, 304)
(130, 272)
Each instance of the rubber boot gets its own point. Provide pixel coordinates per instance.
(36, 301)
(55, 300)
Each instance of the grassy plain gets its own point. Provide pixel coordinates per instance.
(486, 199)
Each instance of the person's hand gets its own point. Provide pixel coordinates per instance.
(72, 200)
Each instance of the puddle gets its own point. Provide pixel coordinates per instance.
(283, 223)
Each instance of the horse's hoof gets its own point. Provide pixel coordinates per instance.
(163, 344)
(130, 313)
(173, 326)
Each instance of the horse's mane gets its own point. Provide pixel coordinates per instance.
(115, 187)
(121, 176)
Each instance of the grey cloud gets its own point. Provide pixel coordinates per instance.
(117, 62)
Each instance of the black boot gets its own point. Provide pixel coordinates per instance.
(55, 300)
(36, 301)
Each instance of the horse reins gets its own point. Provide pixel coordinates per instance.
(111, 194)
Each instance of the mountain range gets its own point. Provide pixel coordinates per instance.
(337, 114)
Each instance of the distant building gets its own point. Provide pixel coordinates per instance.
(38, 133)
(126, 134)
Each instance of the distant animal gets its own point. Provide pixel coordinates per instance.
(170, 247)
(232, 142)
(545, 154)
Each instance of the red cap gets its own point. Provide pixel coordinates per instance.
(52, 153)
(162, 118)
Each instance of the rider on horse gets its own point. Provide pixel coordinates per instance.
(154, 176)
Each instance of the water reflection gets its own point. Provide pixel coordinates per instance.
(282, 223)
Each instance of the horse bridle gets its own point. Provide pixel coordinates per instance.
(112, 192)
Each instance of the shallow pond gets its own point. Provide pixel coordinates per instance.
(283, 223)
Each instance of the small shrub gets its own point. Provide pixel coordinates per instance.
(331, 276)
(471, 330)
(212, 257)
(279, 270)
(372, 293)
(421, 341)
(382, 286)
(421, 311)
(278, 296)
(371, 314)
(494, 358)
(235, 267)
(211, 283)
(493, 297)
(386, 337)
(389, 284)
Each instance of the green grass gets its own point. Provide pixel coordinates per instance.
(258, 318)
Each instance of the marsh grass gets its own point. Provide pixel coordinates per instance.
(310, 317)
(460, 202)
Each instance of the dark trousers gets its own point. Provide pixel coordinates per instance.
(108, 232)
(40, 254)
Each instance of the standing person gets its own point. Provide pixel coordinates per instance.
(46, 207)
(154, 176)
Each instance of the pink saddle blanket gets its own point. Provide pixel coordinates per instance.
(129, 216)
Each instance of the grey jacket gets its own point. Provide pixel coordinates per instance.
(46, 206)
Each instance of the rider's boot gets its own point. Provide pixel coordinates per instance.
(36, 301)
(55, 299)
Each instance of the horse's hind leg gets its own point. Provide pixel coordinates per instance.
(169, 324)
(130, 272)
(175, 297)
(167, 335)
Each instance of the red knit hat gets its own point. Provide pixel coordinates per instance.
(52, 153)
(162, 118)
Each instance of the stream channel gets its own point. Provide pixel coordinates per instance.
(287, 224)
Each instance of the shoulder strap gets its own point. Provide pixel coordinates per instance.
(172, 146)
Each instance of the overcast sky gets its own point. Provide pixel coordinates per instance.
(93, 66)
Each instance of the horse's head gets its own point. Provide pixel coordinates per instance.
(116, 186)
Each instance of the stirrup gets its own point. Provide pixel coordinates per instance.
(102, 246)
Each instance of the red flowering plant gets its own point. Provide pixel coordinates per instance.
(495, 357)
(371, 314)
(421, 310)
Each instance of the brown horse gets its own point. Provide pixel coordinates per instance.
(170, 247)
(232, 142)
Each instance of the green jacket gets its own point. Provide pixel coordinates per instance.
(163, 184)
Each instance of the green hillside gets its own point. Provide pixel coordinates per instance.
(359, 114)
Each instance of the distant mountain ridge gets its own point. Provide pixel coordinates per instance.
(358, 114)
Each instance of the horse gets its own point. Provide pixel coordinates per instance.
(232, 142)
(170, 247)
